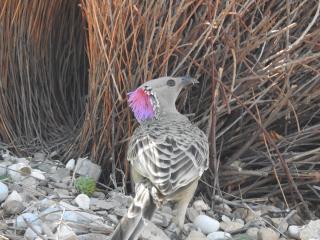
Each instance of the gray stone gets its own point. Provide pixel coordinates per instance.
(206, 224)
(253, 232)
(311, 231)
(30, 234)
(294, 231)
(105, 204)
(230, 226)
(120, 212)
(64, 232)
(92, 236)
(151, 231)
(192, 214)
(267, 234)
(161, 219)
(195, 235)
(219, 235)
(30, 218)
(200, 205)
(85, 167)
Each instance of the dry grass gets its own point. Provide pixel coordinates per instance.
(257, 61)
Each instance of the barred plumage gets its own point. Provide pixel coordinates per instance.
(170, 152)
(167, 153)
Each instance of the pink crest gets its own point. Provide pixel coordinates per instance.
(141, 104)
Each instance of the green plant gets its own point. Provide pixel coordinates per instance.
(85, 185)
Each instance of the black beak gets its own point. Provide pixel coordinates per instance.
(186, 81)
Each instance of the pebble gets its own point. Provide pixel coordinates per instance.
(294, 231)
(85, 167)
(18, 171)
(192, 214)
(231, 226)
(29, 217)
(219, 236)
(196, 235)
(151, 231)
(3, 192)
(267, 234)
(30, 234)
(83, 201)
(38, 174)
(311, 231)
(64, 232)
(206, 224)
(253, 232)
(3, 168)
(71, 164)
(200, 205)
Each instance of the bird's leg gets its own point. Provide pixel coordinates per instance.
(181, 206)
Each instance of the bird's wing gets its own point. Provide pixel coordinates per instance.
(169, 155)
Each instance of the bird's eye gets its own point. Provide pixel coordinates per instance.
(171, 83)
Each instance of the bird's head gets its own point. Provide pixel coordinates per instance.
(157, 96)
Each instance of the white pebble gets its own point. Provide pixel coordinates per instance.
(83, 201)
(14, 196)
(206, 224)
(294, 231)
(219, 236)
(38, 174)
(3, 192)
(200, 205)
(70, 164)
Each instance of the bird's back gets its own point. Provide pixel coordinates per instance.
(170, 152)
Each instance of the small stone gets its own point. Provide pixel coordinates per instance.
(253, 232)
(104, 204)
(83, 201)
(70, 164)
(3, 192)
(113, 218)
(29, 217)
(192, 214)
(13, 207)
(219, 236)
(280, 223)
(225, 218)
(64, 232)
(311, 231)
(85, 167)
(18, 171)
(93, 236)
(231, 226)
(99, 195)
(206, 224)
(30, 234)
(120, 211)
(294, 231)
(14, 196)
(3, 226)
(151, 231)
(38, 174)
(200, 205)
(3, 168)
(267, 234)
(242, 236)
(223, 207)
(59, 175)
(196, 235)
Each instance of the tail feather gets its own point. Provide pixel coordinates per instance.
(132, 223)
